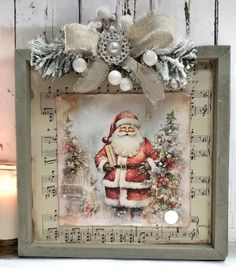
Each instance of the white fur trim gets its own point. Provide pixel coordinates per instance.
(118, 174)
(101, 164)
(152, 164)
(131, 121)
(133, 203)
(111, 184)
(133, 185)
(111, 202)
(120, 177)
(128, 184)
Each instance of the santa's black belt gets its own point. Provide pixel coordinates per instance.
(126, 166)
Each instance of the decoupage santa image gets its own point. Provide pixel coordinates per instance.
(122, 161)
(126, 159)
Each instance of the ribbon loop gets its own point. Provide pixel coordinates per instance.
(151, 84)
(80, 38)
(153, 31)
(95, 75)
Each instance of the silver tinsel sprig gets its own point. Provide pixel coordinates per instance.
(51, 60)
(175, 63)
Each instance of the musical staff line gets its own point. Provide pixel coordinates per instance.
(201, 147)
(111, 235)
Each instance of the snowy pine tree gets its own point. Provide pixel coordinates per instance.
(75, 158)
(77, 186)
(165, 181)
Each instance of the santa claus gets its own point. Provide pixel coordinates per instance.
(127, 159)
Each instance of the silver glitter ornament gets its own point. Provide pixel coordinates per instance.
(113, 47)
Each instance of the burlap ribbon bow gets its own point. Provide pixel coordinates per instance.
(150, 32)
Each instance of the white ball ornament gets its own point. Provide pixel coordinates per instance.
(98, 24)
(112, 28)
(150, 58)
(126, 21)
(126, 84)
(79, 65)
(112, 17)
(114, 77)
(103, 13)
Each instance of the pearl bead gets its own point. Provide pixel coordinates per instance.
(126, 84)
(112, 28)
(114, 48)
(79, 65)
(94, 24)
(103, 13)
(150, 58)
(112, 17)
(114, 78)
(126, 21)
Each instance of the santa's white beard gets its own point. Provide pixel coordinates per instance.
(126, 145)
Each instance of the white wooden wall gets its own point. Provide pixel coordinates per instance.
(207, 22)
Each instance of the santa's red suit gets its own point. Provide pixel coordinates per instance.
(125, 185)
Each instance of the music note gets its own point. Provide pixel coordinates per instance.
(52, 233)
(49, 191)
(49, 149)
(194, 153)
(52, 178)
(50, 217)
(200, 90)
(199, 192)
(200, 179)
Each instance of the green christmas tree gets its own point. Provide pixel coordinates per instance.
(78, 185)
(75, 158)
(166, 179)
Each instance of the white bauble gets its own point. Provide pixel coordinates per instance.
(95, 25)
(112, 17)
(150, 57)
(103, 13)
(114, 78)
(126, 84)
(171, 217)
(126, 21)
(112, 28)
(79, 65)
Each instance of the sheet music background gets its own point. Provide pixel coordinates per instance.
(44, 168)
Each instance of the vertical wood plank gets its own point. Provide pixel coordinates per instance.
(227, 37)
(177, 9)
(187, 6)
(216, 24)
(136, 8)
(46, 16)
(7, 82)
(89, 10)
(35, 17)
(197, 17)
(202, 21)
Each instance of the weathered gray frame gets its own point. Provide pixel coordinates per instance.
(219, 246)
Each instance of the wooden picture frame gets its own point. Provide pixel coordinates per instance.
(216, 250)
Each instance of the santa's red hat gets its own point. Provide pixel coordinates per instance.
(120, 119)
